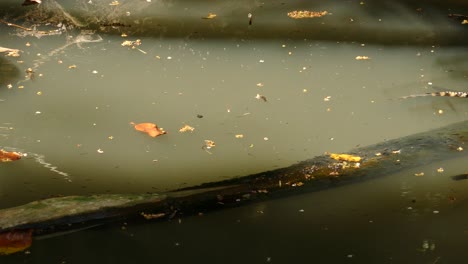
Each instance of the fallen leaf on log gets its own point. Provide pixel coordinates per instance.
(15, 241)
(345, 157)
(6, 156)
(149, 128)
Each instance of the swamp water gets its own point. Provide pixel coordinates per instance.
(73, 122)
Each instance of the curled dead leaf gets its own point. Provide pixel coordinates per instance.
(6, 156)
(149, 128)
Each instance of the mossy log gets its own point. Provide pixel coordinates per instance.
(322, 172)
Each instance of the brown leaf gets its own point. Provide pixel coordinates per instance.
(6, 156)
(149, 128)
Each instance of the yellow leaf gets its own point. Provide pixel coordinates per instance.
(345, 157)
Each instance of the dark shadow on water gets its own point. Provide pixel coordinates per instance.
(8, 72)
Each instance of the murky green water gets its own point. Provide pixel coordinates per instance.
(73, 122)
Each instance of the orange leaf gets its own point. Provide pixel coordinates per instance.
(6, 156)
(15, 241)
(149, 128)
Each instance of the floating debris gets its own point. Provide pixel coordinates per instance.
(419, 174)
(445, 93)
(30, 73)
(186, 128)
(306, 14)
(131, 43)
(362, 58)
(209, 144)
(262, 97)
(239, 136)
(152, 216)
(6, 156)
(440, 170)
(210, 16)
(149, 128)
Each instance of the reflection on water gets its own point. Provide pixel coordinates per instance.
(73, 123)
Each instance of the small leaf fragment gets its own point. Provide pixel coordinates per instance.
(186, 128)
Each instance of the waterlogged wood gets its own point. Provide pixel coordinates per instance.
(324, 171)
(72, 209)
(319, 173)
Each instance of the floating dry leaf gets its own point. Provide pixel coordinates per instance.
(209, 16)
(6, 156)
(464, 22)
(186, 128)
(149, 128)
(306, 14)
(419, 174)
(345, 157)
(362, 58)
(239, 136)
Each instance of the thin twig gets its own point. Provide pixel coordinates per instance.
(14, 25)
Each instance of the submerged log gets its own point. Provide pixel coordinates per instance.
(322, 172)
